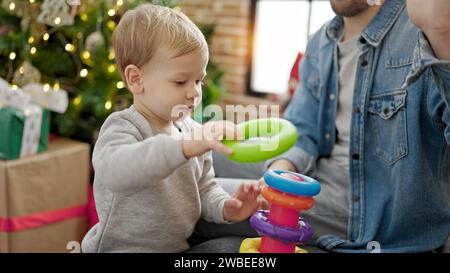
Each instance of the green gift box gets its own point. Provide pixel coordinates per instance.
(13, 121)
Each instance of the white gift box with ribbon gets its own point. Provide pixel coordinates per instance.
(30, 99)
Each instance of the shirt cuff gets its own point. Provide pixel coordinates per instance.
(221, 219)
(302, 161)
(424, 58)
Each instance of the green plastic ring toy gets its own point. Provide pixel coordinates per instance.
(278, 136)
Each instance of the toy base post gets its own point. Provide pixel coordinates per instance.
(251, 245)
(283, 217)
(269, 245)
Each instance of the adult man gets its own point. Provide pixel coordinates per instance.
(373, 113)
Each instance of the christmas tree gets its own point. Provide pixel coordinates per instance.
(66, 44)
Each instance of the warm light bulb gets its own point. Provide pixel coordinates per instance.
(46, 36)
(83, 72)
(111, 54)
(31, 40)
(119, 2)
(111, 12)
(14, 87)
(111, 68)
(12, 55)
(111, 25)
(56, 86)
(46, 87)
(83, 16)
(32, 1)
(120, 85)
(69, 47)
(85, 54)
(21, 70)
(33, 50)
(108, 105)
(12, 6)
(77, 100)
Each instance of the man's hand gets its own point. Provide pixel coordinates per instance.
(433, 18)
(209, 137)
(281, 164)
(243, 203)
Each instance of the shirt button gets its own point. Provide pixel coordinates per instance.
(332, 97)
(357, 109)
(364, 63)
(355, 157)
(356, 198)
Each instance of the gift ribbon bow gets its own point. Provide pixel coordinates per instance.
(53, 100)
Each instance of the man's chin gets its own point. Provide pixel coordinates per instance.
(349, 8)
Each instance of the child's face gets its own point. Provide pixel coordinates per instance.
(173, 86)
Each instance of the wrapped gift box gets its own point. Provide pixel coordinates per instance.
(18, 135)
(43, 199)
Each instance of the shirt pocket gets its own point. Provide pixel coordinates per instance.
(387, 118)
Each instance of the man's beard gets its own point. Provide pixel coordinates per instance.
(349, 8)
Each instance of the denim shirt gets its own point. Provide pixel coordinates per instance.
(400, 133)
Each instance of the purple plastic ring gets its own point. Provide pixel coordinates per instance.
(299, 235)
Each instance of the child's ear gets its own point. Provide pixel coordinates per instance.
(133, 76)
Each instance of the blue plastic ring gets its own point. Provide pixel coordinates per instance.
(308, 187)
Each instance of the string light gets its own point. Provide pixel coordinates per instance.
(83, 72)
(111, 12)
(21, 70)
(12, 6)
(33, 50)
(83, 16)
(111, 54)
(69, 47)
(77, 101)
(111, 68)
(108, 105)
(57, 20)
(111, 25)
(32, 1)
(46, 36)
(79, 35)
(120, 85)
(56, 86)
(14, 87)
(12, 55)
(46, 87)
(86, 55)
(119, 3)
(31, 40)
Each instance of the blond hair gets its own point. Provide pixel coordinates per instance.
(143, 30)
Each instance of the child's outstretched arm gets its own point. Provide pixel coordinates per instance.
(126, 163)
(218, 206)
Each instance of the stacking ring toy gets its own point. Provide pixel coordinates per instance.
(281, 229)
(298, 235)
(284, 181)
(251, 245)
(287, 200)
(278, 136)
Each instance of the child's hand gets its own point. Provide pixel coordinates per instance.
(209, 137)
(243, 203)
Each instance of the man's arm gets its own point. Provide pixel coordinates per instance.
(432, 17)
(433, 51)
(303, 113)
